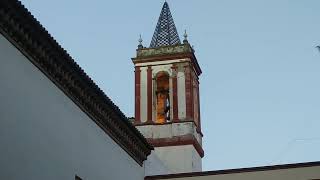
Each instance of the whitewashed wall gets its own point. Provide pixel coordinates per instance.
(154, 166)
(44, 135)
(180, 159)
(181, 95)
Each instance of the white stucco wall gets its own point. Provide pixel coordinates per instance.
(44, 135)
(154, 166)
(180, 159)
(181, 95)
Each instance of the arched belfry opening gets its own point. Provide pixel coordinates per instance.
(162, 97)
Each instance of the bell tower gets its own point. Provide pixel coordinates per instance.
(167, 103)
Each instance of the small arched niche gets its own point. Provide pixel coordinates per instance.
(162, 97)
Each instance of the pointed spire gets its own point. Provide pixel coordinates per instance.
(166, 33)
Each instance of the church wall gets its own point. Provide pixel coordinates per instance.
(180, 159)
(154, 166)
(303, 173)
(182, 95)
(44, 135)
(196, 160)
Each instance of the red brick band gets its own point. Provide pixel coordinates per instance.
(199, 116)
(137, 94)
(188, 92)
(192, 95)
(175, 94)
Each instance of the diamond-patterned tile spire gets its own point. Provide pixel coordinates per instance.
(166, 33)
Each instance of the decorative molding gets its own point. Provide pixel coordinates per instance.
(165, 57)
(33, 40)
(166, 123)
(164, 50)
(161, 58)
(178, 141)
(166, 62)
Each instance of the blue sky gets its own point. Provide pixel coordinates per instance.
(260, 90)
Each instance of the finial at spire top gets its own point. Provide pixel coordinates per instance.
(140, 42)
(185, 35)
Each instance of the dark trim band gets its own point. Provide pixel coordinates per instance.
(233, 171)
(137, 90)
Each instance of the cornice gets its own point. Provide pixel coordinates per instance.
(33, 40)
(178, 141)
(164, 53)
(179, 121)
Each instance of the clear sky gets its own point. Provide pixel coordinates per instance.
(260, 90)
